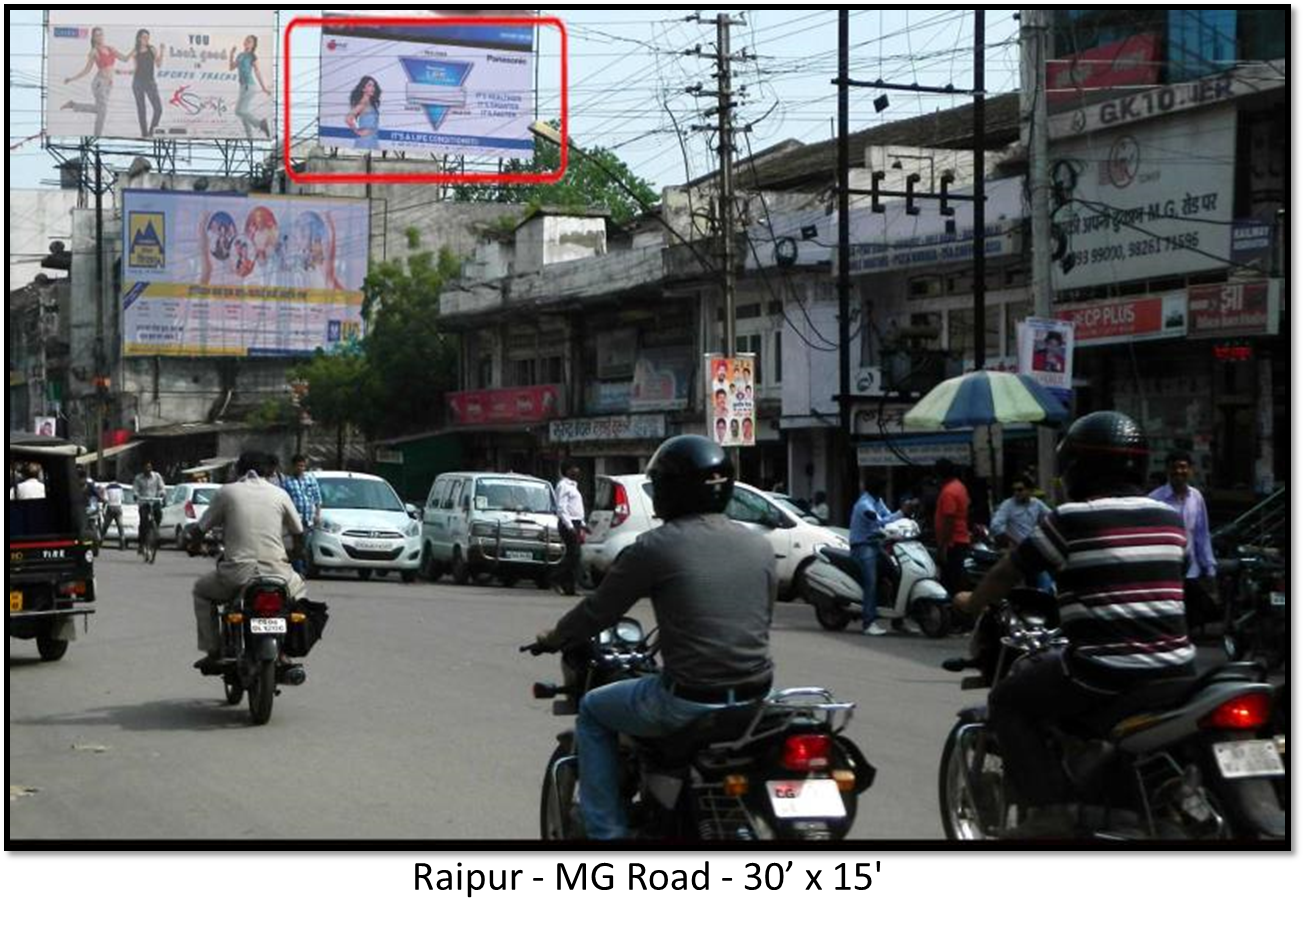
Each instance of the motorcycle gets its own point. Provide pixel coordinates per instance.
(1178, 759)
(779, 768)
(907, 583)
(1255, 627)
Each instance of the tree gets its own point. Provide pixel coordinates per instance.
(597, 178)
(340, 393)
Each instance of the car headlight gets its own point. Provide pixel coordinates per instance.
(482, 529)
(331, 527)
(413, 529)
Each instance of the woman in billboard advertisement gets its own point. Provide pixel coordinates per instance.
(364, 114)
(101, 58)
(246, 62)
(144, 84)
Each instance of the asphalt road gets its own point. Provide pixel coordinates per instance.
(416, 721)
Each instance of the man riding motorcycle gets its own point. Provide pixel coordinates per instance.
(1118, 560)
(712, 585)
(254, 515)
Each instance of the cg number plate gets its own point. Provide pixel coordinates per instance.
(267, 625)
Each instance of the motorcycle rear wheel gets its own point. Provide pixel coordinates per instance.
(934, 619)
(557, 803)
(262, 694)
(961, 807)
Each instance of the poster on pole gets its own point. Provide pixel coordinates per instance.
(453, 89)
(167, 74)
(731, 399)
(1046, 354)
(222, 274)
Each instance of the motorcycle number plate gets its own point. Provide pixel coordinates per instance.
(267, 625)
(812, 798)
(15, 601)
(1248, 759)
(1277, 599)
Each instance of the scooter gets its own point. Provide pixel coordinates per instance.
(907, 583)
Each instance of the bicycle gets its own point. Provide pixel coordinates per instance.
(148, 542)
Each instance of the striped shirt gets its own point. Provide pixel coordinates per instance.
(1118, 568)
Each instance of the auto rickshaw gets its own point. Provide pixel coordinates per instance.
(51, 574)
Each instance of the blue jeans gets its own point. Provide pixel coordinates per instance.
(638, 707)
(867, 555)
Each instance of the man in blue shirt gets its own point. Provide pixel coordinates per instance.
(868, 518)
(305, 493)
(1184, 498)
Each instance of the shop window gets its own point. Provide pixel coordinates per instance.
(553, 370)
(484, 372)
(960, 330)
(523, 372)
(778, 356)
(753, 344)
(751, 310)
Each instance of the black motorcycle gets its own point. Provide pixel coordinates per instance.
(1179, 759)
(779, 768)
(1255, 607)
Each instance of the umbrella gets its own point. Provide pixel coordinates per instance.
(986, 398)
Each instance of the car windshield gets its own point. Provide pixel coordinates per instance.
(204, 496)
(358, 494)
(789, 506)
(513, 495)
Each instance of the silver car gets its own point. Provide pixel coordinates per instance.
(364, 527)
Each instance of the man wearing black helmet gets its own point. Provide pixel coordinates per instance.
(712, 585)
(1118, 561)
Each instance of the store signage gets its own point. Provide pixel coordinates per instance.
(1234, 309)
(528, 405)
(1121, 320)
(617, 428)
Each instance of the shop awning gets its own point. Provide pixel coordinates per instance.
(109, 452)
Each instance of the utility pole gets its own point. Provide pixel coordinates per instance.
(101, 357)
(724, 107)
(1034, 35)
(980, 191)
(843, 447)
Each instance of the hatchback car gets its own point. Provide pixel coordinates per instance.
(183, 505)
(365, 527)
(623, 510)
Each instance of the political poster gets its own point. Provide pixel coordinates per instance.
(1046, 354)
(731, 399)
(234, 275)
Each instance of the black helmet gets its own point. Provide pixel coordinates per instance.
(690, 475)
(1104, 452)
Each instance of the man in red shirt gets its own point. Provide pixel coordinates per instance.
(951, 525)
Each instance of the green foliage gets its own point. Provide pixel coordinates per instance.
(340, 389)
(272, 412)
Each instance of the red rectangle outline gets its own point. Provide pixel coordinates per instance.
(508, 178)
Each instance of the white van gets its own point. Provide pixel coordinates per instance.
(480, 524)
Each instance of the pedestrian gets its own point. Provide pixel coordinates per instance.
(1016, 518)
(305, 493)
(1201, 568)
(951, 526)
(32, 487)
(820, 507)
(868, 518)
(570, 521)
(113, 498)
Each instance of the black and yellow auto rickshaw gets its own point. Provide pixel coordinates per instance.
(51, 574)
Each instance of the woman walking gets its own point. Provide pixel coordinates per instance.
(246, 62)
(101, 58)
(144, 85)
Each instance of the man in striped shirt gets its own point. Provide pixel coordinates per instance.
(1118, 561)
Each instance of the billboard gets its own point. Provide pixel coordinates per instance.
(193, 74)
(453, 89)
(1120, 321)
(731, 399)
(222, 274)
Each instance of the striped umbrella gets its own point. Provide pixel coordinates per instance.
(986, 398)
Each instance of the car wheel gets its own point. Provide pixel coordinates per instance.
(177, 538)
(409, 576)
(431, 571)
(508, 581)
(461, 572)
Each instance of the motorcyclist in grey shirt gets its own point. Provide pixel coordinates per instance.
(712, 583)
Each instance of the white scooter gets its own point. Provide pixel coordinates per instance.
(907, 583)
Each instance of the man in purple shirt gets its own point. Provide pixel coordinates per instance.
(1179, 494)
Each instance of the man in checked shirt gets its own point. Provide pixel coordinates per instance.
(305, 493)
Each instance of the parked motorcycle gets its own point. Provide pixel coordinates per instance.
(1255, 590)
(779, 768)
(907, 583)
(1178, 759)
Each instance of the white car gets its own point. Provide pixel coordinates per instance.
(183, 505)
(623, 510)
(365, 527)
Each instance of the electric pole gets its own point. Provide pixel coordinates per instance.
(724, 114)
(844, 446)
(1034, 36)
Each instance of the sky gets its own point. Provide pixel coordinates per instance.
(628, 74)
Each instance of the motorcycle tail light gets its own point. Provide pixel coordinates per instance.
(806, 752)
(622, 507)
(266, 603)
(1243, 712)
